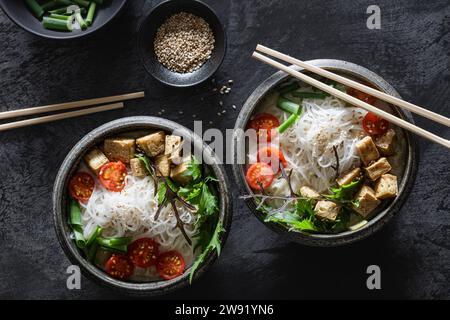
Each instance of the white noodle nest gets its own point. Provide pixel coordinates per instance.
(131, 212)
(308, 144)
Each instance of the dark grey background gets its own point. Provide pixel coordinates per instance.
(411, 51)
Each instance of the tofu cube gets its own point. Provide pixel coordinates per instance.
(138, 168)
(367, 201)
(327, 210)
(173, 148)
(386, 187)
(162, 162)
(178, 174)
(308, 192)
(367, 150)
(349, 177)
(95, 159)
(119, 149)
(152, 144)
(385, 143)
(377, 169)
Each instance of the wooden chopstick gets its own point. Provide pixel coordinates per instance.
(356, 85)
(70, 105)
(352, 100)
(60, 116)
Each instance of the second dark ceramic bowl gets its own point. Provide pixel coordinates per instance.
(388, 209)
(156, 18)
(60, 200)
(18, 12)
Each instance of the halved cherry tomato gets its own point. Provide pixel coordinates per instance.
(81, 186)
(374, 125)
(112, 176)
(119, 266)
(259, 175)
(170, 265)
(263, 123)
(361, 96)
(272, 156)
(143, 252)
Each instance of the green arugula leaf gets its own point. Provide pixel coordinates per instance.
(214, 244)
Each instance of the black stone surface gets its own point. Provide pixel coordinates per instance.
(411, 51)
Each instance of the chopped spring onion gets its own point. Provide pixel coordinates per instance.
(59, 16)
(80, 20)
(288, 105)
(49, 5)
(82, 3)
(115, 244)
(91, 12)
(94, 236)
(76, 223)
(289, 122)
(35, 8)
(310, 95)
(290, 87)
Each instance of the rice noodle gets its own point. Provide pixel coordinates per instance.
(308, 144)
(131, 212)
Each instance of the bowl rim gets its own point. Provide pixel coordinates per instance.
(376, 222)
(67, 35)
(162, 80)
(59, 204)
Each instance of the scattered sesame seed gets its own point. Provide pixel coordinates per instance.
(234, 107)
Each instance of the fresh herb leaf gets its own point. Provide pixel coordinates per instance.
(193, 170)
(214, 244)
(304, 208)
(161, 193)
(208, 201)
(345, 192)
(147, 163)
(292, 220)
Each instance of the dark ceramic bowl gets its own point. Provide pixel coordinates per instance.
(60, 201)
(406, 175)
(147, 34)
(18, 12)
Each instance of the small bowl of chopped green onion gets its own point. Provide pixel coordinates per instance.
(182, 42)
(62, 19)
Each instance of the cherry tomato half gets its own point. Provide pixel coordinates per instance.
(143, 252)
(263, 123)
(367, 98)
(81, 186)
(258, 174)
(374, 125)
(119, 266)
(112, 176)
(272, 156)
(170, 265)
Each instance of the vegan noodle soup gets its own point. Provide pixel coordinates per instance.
(141, 211)
(320, 165)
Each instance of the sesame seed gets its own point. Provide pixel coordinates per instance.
(184, 42)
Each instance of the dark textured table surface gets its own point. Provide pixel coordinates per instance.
(411, 51)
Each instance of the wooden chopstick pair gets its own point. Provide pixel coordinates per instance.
(107, 103)
(352, 100)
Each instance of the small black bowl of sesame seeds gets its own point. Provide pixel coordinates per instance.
(182, 42)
